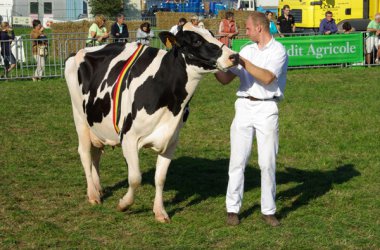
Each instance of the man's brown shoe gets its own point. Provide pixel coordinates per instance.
(232, 219)
(271, 220)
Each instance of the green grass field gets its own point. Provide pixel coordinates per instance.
(328, 172)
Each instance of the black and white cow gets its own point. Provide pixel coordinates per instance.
(135, 95)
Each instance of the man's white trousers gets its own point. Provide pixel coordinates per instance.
(253, 119)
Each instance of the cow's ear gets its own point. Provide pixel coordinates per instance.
(168, 39)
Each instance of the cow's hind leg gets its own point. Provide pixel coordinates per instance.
(130, 152)
(159, 178)
(85, 152)
(95, 155)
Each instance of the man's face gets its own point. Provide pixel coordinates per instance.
(120, 20)
(286, 11)
(377, 19)
(329, 17)
(252, 30)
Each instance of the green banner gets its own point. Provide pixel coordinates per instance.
(319, 49)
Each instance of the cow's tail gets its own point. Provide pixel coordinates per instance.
(70, 69)
(71, 75)
(71, 55)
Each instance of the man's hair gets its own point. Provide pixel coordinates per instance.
(328, 13)
(346, 26)
(229, 14)
(194, 18)
(259, 18)
(268, 12)
(182, 20)
(36, 22)
(120, 15)
(286, 7)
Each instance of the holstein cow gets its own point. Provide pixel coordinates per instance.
(135, 95)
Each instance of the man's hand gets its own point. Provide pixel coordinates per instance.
(235, 58)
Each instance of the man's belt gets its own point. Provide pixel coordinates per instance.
(258, 99)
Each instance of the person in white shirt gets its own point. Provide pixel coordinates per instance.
(262, 71)
(181, 22)
(144, 34)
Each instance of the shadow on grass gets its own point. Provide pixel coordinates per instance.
(196, 179)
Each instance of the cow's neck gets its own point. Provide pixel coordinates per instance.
(192, 72)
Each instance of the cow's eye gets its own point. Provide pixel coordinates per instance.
(197, 43)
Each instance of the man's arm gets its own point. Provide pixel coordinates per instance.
(114, 31)
(125, 31)
(334, 28)
(262, 75)
(321, 28)
(278, 26)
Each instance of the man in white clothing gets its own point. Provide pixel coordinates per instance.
(181, 22)
(262, 71)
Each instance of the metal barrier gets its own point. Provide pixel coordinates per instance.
(61, 45)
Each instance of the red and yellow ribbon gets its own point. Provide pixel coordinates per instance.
(119, 81)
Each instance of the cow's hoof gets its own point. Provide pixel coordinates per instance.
(94, 201)
(121, 209)
(162, 219)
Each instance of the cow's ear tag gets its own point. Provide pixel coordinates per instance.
(168, 39)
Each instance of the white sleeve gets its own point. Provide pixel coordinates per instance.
(173, 30)
(277, 60)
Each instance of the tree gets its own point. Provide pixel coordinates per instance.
(109, 8)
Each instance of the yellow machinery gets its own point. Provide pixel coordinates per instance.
(308, 13)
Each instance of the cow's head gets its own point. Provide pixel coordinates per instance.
(199, 48)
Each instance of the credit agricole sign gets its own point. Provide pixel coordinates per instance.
(320, 49)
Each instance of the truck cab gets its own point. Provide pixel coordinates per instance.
(309, 13)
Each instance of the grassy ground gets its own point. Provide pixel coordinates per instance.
(328, 172)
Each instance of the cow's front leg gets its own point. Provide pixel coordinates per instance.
(159, 178)
(130, 152)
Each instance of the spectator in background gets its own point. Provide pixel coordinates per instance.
(39, 48)
(372, 40)
(201, 24)
(227, 29)
(346, 28)
(119, 29)
(285, 22)
(97, 33)
(144, 34)
(175, 29)
(328, 25)
(7, 35)
(272, 27)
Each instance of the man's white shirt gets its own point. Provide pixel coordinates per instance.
(273, 58)
(174, 29)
